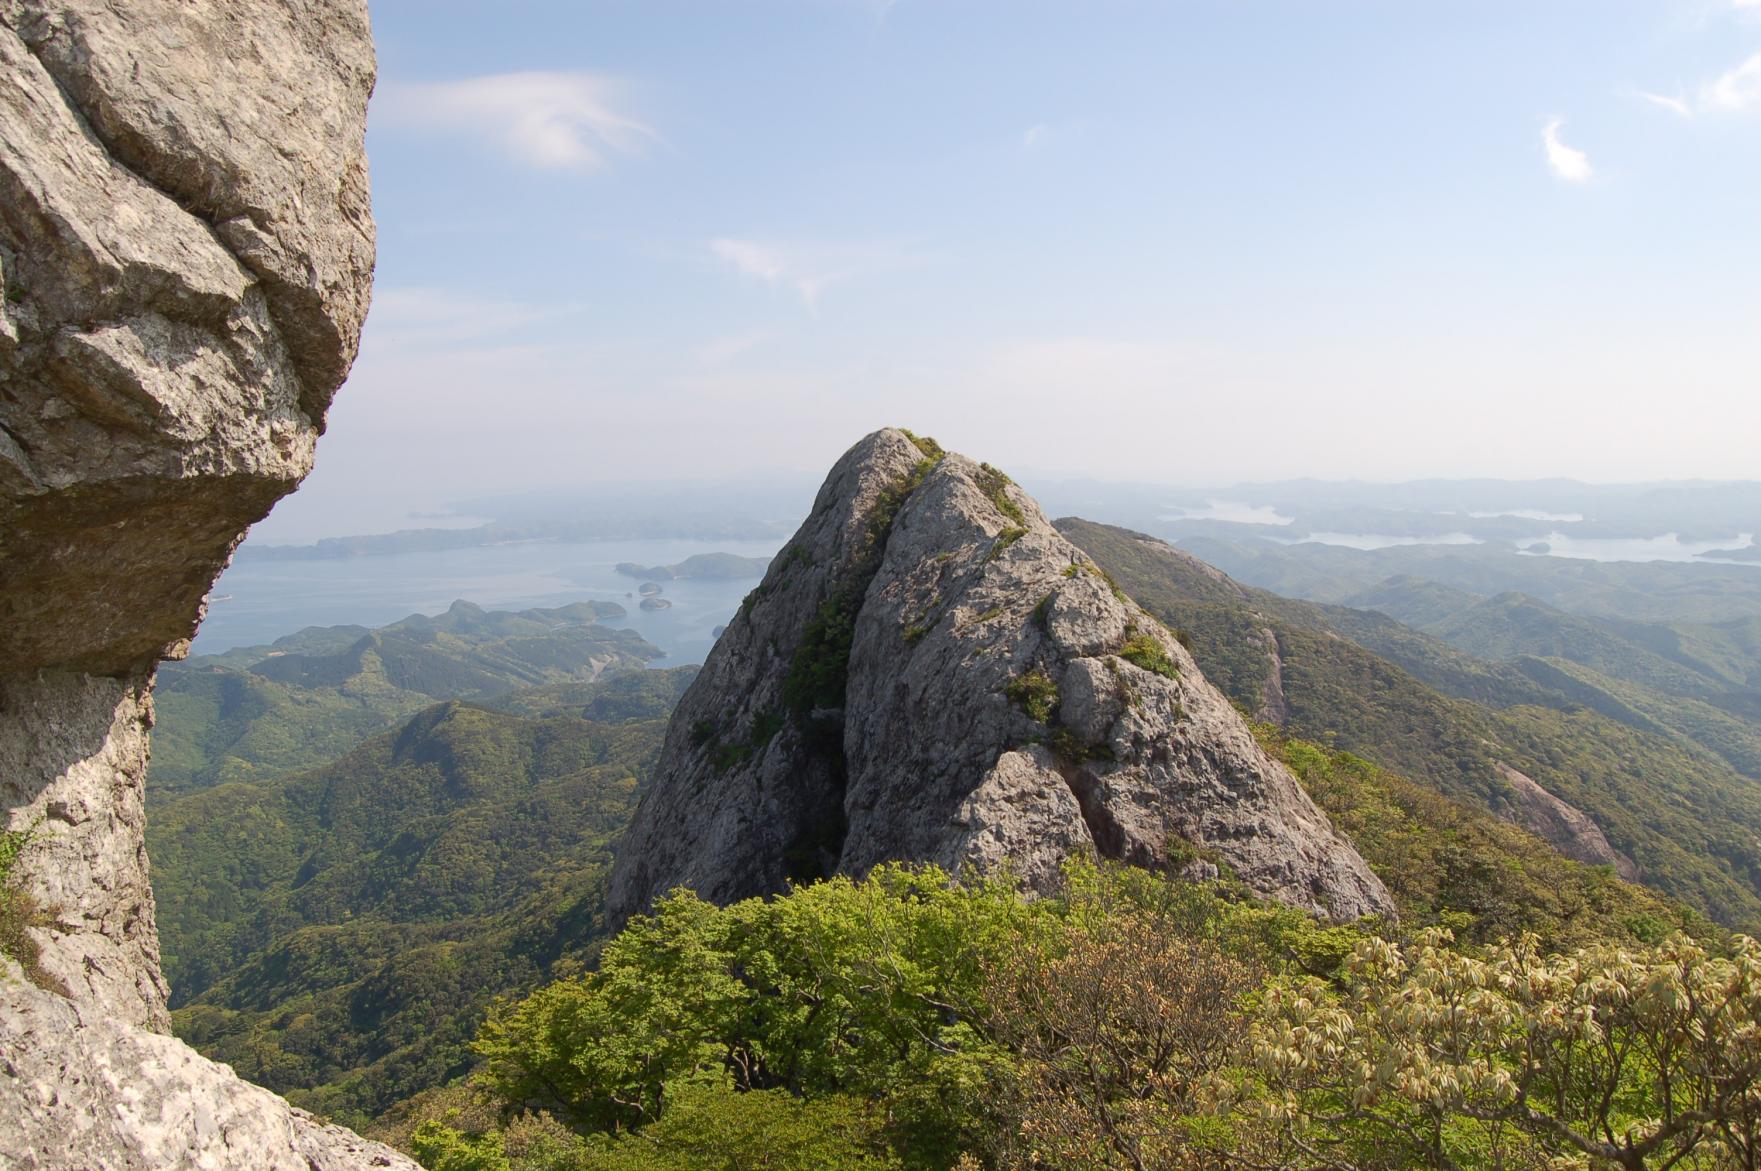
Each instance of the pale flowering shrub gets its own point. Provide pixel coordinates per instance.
(1429, 1057)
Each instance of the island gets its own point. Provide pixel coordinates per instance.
(713, 566)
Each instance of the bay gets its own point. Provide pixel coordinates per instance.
(257, 601)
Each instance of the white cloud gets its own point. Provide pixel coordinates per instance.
(1567, 162)
(1677, 106)
(1739, 89)
(552, 121)
(811, 268)
(1034, 135)
(1735, 91)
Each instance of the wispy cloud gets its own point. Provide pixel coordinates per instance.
(812, 268)
(552, 121)
(437, 319)
(1043, 135)
(1567, 162)
(1739, 89)
(1678, 106)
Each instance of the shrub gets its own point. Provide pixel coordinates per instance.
(993, 484)
(1146, 651)
(1034, 693)
(1004, 539)
(929, 447)
(19, 912)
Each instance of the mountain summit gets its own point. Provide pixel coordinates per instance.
(929, 671)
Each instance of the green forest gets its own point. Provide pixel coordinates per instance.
(409, 938)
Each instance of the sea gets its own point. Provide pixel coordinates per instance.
(257, 601)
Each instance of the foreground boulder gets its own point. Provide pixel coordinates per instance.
(186, 254)
(930, 672)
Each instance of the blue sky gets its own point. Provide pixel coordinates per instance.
(1181, 242)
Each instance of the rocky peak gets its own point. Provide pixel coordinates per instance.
(930, 671)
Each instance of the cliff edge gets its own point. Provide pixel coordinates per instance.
(186, 255)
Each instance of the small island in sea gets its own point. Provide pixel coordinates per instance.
(722, 566)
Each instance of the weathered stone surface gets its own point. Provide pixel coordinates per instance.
(1563, 826)
(186, 255)
(73, 762)
(777, 814)
(80, 1090)
(927, 748)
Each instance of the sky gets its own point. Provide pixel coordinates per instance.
(1184, 243)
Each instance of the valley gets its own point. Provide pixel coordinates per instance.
(365, 839)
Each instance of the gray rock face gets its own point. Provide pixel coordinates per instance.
(73, 760)
(81, 1090)
(930, 672)
(186, 253)
(737, 810)
(1563, 826)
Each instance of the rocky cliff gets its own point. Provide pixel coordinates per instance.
(186, 254)
(929, 671)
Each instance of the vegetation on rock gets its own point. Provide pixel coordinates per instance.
(1143, 650)
(1034, 693)
(19, 912)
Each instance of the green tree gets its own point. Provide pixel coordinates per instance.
(870, 989)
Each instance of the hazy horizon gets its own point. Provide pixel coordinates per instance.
(1195, 246)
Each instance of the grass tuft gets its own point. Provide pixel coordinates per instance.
(1034, 693)
(1143, 650)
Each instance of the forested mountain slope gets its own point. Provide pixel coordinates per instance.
(1688, 821)
(335, 934)
(262, 711)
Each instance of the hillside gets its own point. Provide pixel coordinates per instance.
(336, 934)
(1643, 591)
(1682, 814)
(1696, 683)
(308, 697)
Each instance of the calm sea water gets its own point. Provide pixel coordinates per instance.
(267, 599)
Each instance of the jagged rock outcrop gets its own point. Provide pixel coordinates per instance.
(1563, 826)
(86, 1091)
(186, 253)
(929, 671)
